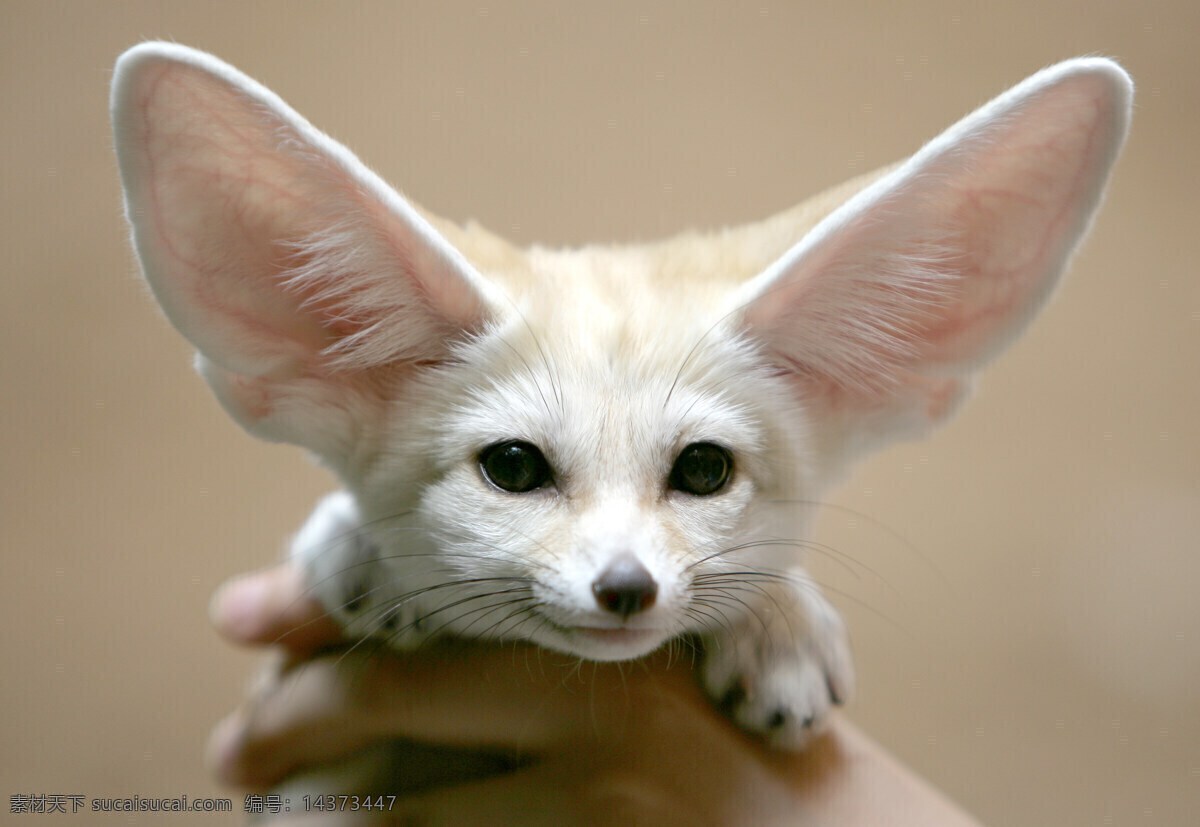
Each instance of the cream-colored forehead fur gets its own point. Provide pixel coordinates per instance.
(689, 266)
(584, 364)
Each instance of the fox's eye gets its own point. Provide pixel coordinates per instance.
(515, 466)
(701, 468)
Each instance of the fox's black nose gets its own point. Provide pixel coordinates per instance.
(625, 587)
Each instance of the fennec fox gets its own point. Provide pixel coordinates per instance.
(605, 449)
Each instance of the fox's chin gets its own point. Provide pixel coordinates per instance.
(603, 644)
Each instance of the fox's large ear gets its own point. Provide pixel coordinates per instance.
(307, 284)
(881, 315)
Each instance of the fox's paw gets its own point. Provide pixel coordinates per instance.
(779, 674)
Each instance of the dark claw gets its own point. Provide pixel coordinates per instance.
(358, 596)
(733, 697)
(837, 699)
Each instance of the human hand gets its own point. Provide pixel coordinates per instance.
(596, 743)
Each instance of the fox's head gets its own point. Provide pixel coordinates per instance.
(610, 434)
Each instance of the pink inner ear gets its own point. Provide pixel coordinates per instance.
(269, 245)
(1020, 207)
(219, 207)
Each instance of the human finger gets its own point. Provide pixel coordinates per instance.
(517, 699)
(272, 606)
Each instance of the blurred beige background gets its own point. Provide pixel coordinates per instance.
(1026, 615)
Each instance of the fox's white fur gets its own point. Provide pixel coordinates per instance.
(330, 312)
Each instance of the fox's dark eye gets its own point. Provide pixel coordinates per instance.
(701, 468)
(515, 466)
